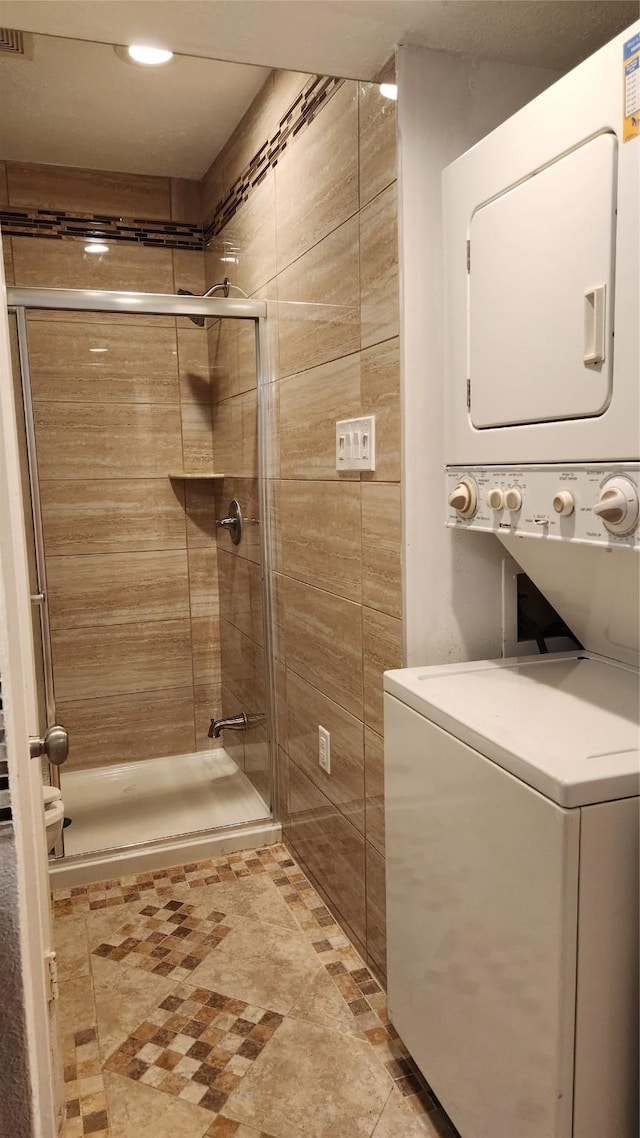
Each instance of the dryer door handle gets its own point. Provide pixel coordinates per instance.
(595, 324)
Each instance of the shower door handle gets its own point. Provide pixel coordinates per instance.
(54, 744)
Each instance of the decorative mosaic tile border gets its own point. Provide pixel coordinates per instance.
(315, 95)
(58, 225)
(85, 1100)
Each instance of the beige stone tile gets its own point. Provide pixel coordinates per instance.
(312, 1081)
(188, 273)
(211, 189)
(282, 787)
(309, 404)
(254, 897)
(101, 923)
(120, 659)
(102, 440)
(186, 199)
(193, 365)
(321, 1003)
(235, 436)
(399, 1120)
(246, 491)
(377, 141)
(324, 643)
(125, 319)
(242, 667)
(201, 504)
(307, 709)
(381, 546)
(260, 963)
(318, 302)
(98, 362)
(380, 393)
(233, 741)
(4, 193)
(318, 535)
(245, 331)
(379, 268)
(77, 1010)
(75, 190)
(255, 233)
(197, 441)
(112, 515)
(376, 908)
(374, 789)
(125, 728)
(117, 588)
(222, 347)
(382, 650)
(203, 580)
(329, 848)
(135, 1109)
(205, 640)
(207, 705)
(257, 759)
(317, 177)
(287, 86)
(72, 949)
(40, 262)
(235, 590)
(7, 256)
(123, 997)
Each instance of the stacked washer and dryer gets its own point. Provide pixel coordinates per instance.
(512, 785)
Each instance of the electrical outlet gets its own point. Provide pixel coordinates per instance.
(324, 749)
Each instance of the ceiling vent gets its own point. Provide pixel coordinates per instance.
(13, 42)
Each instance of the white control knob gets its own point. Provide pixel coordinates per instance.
(618, 505)
(495, 499)
(513, 500)
(464, 498)
(563, 503)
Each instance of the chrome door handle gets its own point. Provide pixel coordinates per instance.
(55, 745)
(233, 523)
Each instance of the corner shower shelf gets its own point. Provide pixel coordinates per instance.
(196, 477)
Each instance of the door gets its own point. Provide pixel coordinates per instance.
(541, 260)
(21, 722)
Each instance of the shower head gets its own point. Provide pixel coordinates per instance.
(225, 285)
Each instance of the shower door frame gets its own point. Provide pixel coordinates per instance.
(20, 299)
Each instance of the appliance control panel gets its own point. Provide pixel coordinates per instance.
(588, 503)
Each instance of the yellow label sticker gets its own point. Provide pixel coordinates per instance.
(631, 88)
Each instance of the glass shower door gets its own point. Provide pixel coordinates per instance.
(154, 631)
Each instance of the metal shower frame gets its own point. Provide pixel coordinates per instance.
(157, 304)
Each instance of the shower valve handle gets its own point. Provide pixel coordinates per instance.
(233, 523)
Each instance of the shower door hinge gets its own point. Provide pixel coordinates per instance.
(468, 256)
(51, 975)
(468, 395)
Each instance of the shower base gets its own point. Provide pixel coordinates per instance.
(131, 817)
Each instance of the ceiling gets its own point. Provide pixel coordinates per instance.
(76, 103)
(351, 38)
(79, 104)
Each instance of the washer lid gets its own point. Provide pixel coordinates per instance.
(567, 724)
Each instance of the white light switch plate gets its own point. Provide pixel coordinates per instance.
(356, 443)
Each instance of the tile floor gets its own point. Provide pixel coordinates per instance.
(220, 1000)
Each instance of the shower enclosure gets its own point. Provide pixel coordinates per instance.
(145, 447)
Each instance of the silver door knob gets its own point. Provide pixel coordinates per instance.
(55, 745)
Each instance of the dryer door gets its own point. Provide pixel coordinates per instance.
(541, 293)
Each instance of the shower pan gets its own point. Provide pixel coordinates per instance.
(151, 595)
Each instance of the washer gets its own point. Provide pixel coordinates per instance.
(512, 813)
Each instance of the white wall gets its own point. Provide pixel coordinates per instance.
(452, 588)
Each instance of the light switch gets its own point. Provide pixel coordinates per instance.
(356, 444)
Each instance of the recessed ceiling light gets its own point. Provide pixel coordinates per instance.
(389, 90)
(144, 55)
(96, 247)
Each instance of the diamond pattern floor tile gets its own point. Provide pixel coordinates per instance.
(169, 939)
(196, 1045)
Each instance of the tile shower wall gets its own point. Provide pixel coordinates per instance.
(120, 402)
(317, 236)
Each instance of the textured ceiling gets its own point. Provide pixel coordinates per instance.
(78, 104)
(338, 37)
